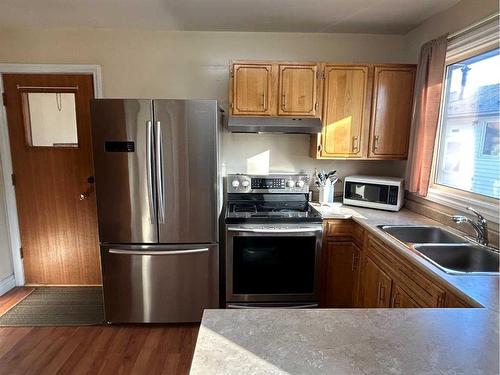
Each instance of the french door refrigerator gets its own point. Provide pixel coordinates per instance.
(157, 180)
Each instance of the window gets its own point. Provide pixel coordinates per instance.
(468, 146)
(50, 119)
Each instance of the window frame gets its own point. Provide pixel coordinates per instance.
(454, 197)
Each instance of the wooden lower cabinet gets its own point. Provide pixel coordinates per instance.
(372, 275)
(401, 299)
(376, 285)
(341, 278)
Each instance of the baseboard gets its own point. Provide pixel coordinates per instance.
(7, 284)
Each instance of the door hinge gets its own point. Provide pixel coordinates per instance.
(21, 252)
(13, 177)
(4, 99)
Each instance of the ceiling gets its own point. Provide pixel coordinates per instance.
(329, 16)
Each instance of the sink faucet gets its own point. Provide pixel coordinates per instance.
(480, 225)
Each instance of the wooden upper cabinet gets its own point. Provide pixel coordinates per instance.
(345, 111)
(298, 90)
(252, 89)
(391, 111)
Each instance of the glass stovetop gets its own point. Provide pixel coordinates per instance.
(270, 211)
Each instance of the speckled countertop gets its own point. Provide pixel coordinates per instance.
(342, 341)
(359, 341)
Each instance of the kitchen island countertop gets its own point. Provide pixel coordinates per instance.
(347, 341)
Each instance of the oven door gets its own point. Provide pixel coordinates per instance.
(273, 263)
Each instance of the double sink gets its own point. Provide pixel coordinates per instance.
(450, 252)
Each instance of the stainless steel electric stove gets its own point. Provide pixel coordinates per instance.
(273, 242)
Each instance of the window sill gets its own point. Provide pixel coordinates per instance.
(488, 210)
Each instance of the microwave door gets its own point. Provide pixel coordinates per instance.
(366, 192)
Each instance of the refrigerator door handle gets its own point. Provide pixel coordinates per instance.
(174, 252)
(149, 171)
(159, 173)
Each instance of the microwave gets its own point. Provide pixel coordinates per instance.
(383, 193)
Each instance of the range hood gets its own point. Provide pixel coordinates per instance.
(299, 125)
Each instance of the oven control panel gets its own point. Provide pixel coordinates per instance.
(273, 183)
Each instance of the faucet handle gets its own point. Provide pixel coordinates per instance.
(479, 216)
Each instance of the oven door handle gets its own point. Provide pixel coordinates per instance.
(306, 306)
(276, 230)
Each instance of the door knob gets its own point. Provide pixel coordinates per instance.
(85, 194)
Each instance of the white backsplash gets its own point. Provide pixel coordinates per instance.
(290, 153)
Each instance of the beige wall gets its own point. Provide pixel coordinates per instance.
(451, 20)
(140, 63)
(195, 65)
(6, 269)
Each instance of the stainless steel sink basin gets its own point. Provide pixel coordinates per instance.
(422, 234)
(461, 258)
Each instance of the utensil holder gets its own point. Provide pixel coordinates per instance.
(325, 192)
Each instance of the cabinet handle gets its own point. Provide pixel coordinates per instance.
(283, 101)
(395, 300)
(355, 262)
(375, 143)
(264, 100)
(381, 292)
(355, 144)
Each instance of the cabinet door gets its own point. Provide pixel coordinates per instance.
(401, 299)
(345, 111)
(252, 89)
(391, 112)
(341, 274)
(298, 90)
(376, 285)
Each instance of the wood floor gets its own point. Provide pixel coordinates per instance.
(12, 297)
(126, 349)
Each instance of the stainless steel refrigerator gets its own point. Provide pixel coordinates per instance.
(157, 186)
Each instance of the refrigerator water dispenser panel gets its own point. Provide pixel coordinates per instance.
(119, 146)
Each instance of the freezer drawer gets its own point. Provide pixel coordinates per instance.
(159, 283)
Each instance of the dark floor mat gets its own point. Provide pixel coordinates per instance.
(57, 306)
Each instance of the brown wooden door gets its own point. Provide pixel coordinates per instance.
(401, 299)
(52, 161)
(376, 285)
(346, 111)
(342, 274)
(391, 112)
(252, 89)
(298, 90)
